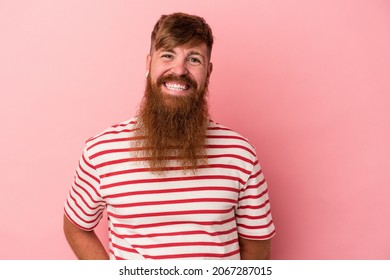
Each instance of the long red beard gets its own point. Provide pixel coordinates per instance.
(173, 127)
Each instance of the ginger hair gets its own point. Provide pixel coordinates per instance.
(179, 29)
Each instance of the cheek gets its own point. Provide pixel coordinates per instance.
(154, 75)
(201, 78)
(156, 71)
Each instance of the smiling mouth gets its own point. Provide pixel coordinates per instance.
(176, 87)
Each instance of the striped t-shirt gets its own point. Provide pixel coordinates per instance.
(176, 215)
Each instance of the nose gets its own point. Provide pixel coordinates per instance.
(180, 68)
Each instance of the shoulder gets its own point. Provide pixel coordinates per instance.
(224, 135)
(115, 132)
(220, 131)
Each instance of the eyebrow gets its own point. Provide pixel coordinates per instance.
(189, 54)
(196, 53)
(166, 50)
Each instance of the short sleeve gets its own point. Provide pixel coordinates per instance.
(253, 214)
(84, 205)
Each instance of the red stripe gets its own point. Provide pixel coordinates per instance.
(130, 250)
(87, 163)
(225, 137)
(139, 170)
(205, 188)
(173, 179)
(81, 209)
(256, 217)
(112, 132)
(230, 147)
(251, 217)
(193, 255)
(231, 156)
(89, 195)
(78, 216)
(143, 148)
(255, 227)
(253, 196)
(115, 140)
(113, 254)
(254, 186)
(87, 173)
(89, 185)
(219, 128)
(254, 206)
(109, 141)
(177, 256)
(175, 213)
(124, 160)
(82, 198)
(256, 174)
(157, 203)
(182, 244)
(111, 151)
(174, 223)
(257, 237)
(115, 126)
(129, 159)
(112, 162)
(70, 219)
(176, 233)
(132, 121)
(130, 171)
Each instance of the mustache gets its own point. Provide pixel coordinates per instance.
(175, 78)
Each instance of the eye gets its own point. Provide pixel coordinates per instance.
(167, 56)
(194, 60)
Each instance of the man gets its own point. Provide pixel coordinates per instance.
(175, 184)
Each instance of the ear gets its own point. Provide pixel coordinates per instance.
(210, 69)
(148, 62)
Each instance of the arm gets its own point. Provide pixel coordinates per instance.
(85, 244)
(255, 249)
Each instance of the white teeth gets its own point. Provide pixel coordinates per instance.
(176, 87)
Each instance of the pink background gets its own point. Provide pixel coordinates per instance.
(306, 81)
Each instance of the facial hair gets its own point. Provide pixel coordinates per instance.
(173, 127)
